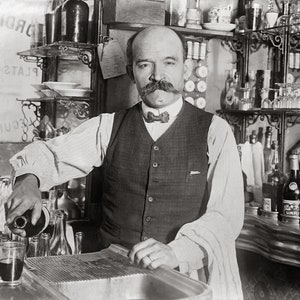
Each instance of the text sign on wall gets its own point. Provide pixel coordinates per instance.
(16, 75)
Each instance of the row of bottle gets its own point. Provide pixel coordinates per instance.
(283, 192)
(257, 92)
(64, 20)
(183, 13)
(45, 239)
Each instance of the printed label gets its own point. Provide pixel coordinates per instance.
(291, 207)
(293, 186)
(267, 204)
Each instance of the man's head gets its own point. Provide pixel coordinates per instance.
(156, 63)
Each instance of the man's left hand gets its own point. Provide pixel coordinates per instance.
(152, 254)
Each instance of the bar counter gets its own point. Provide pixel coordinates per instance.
(268, 253)
(31, 288)
(273, 239)
(103, 275)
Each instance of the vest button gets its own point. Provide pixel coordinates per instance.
(148, 219)
(155, 165)
(150, 199)
(156, 148)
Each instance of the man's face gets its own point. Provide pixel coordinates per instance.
(158, 57)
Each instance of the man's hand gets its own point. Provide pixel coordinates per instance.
(26, 195)
(152, 254)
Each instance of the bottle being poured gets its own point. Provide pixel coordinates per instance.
(24, 222)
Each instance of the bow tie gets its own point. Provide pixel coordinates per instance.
(163, 117)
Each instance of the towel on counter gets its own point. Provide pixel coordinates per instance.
(258, 163)
(247, 162)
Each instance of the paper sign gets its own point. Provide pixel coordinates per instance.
(111, 58)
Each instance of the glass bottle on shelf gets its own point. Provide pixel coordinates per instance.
(53, 21)
(78, 242)
(285, 18)
(175, 12)
(271, 14)
(58, 243)
(295, 19)
(74, 21)
(193, 15)
(33, 247)
(275, 181)
(291, 190)
(44, 244)
(231, 97)
(268, 152)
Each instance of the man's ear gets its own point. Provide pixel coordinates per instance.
(188, 68)
(129, 71)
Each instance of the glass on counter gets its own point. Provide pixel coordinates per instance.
(11, 262)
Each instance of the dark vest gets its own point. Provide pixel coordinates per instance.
(152, 188)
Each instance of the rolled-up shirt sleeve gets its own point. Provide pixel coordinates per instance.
(72, 155)
(211, 238)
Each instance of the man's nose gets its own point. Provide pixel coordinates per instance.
(157, 73)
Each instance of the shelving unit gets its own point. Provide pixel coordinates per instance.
(280, 119)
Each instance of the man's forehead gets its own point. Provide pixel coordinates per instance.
(156, 33)
(162, 42)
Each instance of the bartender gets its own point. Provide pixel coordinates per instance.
(173, 189)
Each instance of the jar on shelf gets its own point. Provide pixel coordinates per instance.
(74, 21)
(271, 15)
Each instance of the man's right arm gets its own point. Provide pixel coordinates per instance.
(42, 165)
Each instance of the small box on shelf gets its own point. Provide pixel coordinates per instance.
(134, 11)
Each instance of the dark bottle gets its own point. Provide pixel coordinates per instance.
(74, 21)
(291, 189)
(275, 181)
(24, 222)
(53, 21)
(58, 243)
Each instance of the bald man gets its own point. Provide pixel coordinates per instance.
(173, 189)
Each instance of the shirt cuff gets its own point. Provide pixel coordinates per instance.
(190, 255)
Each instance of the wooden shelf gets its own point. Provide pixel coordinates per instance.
(185, 31)
(57, 49)
(274, 240)
(57, 98)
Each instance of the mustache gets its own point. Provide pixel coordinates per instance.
(158, 85)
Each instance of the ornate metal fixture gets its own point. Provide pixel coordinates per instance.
(36, 108)
(39, 61)
(80, 109)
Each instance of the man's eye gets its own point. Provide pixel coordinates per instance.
(143, 66)
(170, 62)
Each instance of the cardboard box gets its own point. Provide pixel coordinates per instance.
(134, 11)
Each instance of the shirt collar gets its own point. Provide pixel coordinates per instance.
(173, 109)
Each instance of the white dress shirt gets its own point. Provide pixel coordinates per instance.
(211, 238)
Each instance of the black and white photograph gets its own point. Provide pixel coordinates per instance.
(149, 149)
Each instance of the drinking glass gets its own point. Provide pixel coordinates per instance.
(266, 99)
(11, 262)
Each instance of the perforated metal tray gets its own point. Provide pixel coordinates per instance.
(108, 275)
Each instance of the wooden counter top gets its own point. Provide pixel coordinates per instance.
(273, 239)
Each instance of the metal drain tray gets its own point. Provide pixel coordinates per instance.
(108, 275)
